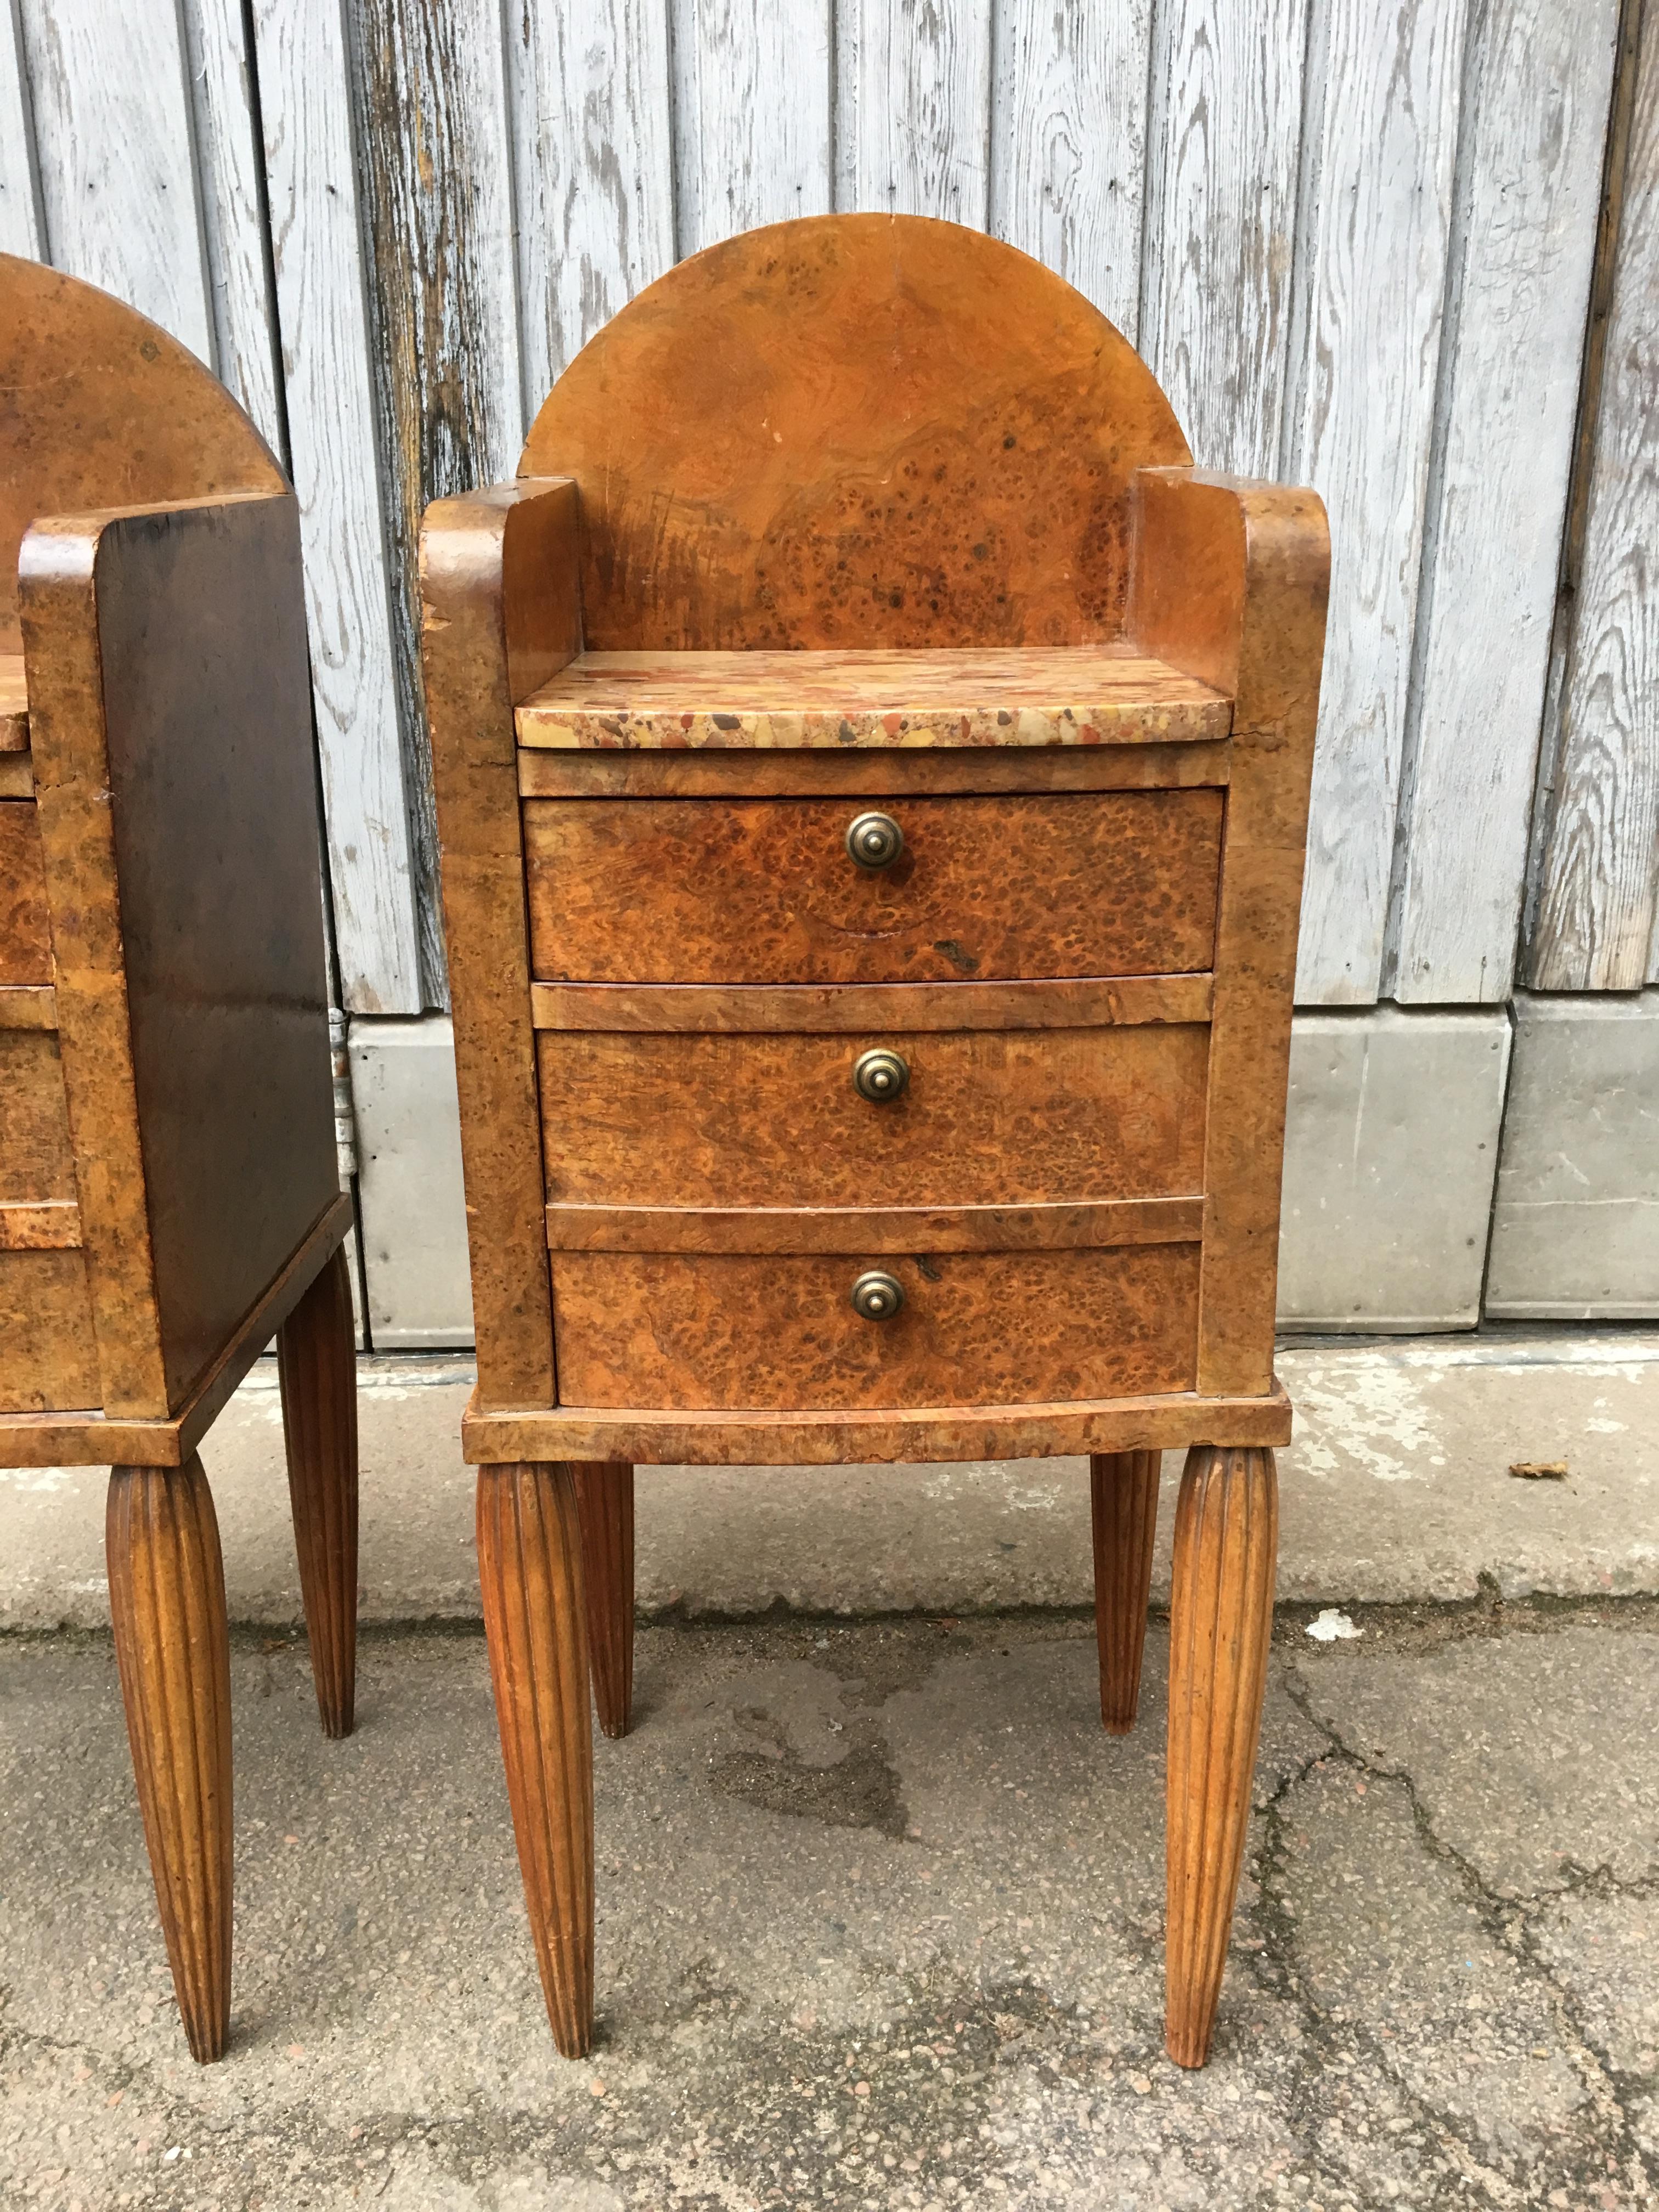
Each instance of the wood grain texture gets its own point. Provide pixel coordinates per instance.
(954, 1432)
(738, 1008)
(71, 749)
(865, 1229)
(1068, 142)
(25, 928)
(1030, 696)
(166, 1592)
(48, 1353)
(300, 47)
(316, 1370)
(593, 169)
(230, 164)
(1224, 140)
(501, 611)
(753, 105)
(52, 1225)
(866, 773)
(988, 1117)
(83, 1437)
(605, 1505)
(22, 223)
(1595, 902)
(100, 408)
(1220, 1622)
(800, 438)
(1123, 1501)
(1523, 251)
(429, 99)
(27, 1007)
(193, 992)
(37, 1162)
(763, 891)
(720, 1330)
(1372, 246)
(14, 704)
(530, 1569)
(115, 144)
(913, 89)
(1231, 582)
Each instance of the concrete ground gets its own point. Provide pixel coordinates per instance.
(880, 1905)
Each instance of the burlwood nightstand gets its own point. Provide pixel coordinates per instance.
(873, 770)
(169, 1196)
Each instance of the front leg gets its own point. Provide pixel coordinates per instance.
(1220, 1622)
(530, 1567)
(166, 1598)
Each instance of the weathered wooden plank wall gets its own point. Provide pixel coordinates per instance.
(1359, 245)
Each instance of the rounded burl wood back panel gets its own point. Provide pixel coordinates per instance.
(99, 407)
(855, 431)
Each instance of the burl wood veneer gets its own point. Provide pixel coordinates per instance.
(872, 769)
(168, 1190)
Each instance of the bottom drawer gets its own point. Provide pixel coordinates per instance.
(716, 1331)
(48, 1354)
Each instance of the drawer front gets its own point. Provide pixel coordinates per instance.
(714, 1331)
(48, 1353)
(25, 935)
(36, 1163)
(763, 891)
(987, 1117)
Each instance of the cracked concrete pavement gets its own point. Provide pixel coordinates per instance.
(880, 1920)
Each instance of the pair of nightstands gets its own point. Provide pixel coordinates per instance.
(872, 771)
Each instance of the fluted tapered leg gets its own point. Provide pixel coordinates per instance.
(166, 1590)
(530, 1566)
(317, 1365)
(1220, 1622)
(605, 1500)
(1124, 1491)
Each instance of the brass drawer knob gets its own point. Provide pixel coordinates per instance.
(877, 1294)
(880, 1075)
(874, 841)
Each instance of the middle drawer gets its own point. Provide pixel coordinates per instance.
(986, 1117)
(764, 890)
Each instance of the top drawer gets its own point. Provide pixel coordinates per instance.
(639, 890)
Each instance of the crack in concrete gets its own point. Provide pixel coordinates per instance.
(1511, 1923)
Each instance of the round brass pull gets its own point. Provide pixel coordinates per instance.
(874, 841)
(877, 1294)
(880, 1076)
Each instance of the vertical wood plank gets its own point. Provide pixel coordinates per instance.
(1595, 923)
(1222, 157)
(22, 228)
(228, 156)
(751, 116)
(1524, 240)
(316, 252)
(430, 98)
(588, 83)
(1068, 143)
(1384, 86)
(914, 92)
(113, 135)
